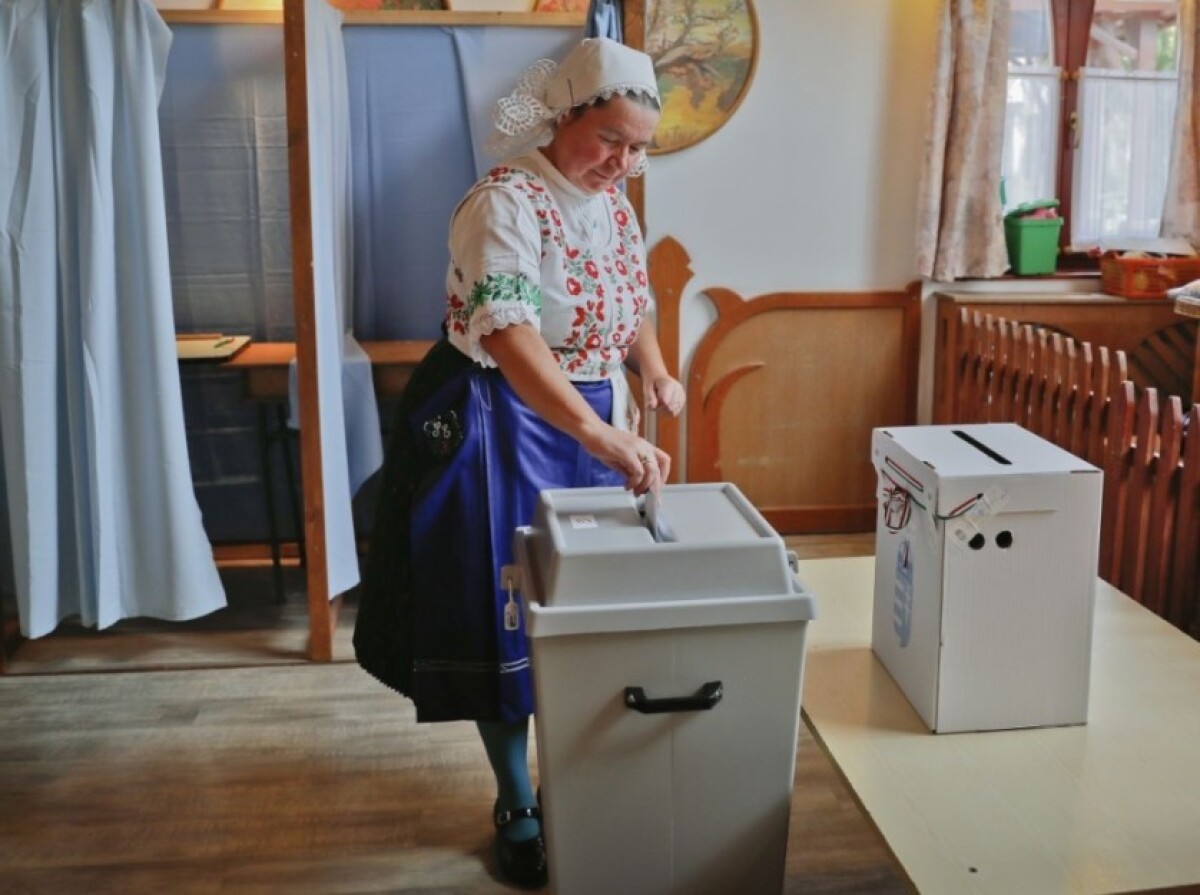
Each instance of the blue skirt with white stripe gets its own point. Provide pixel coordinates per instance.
(476, 459)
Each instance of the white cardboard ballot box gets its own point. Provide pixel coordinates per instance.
(668, 678)
(986, 550)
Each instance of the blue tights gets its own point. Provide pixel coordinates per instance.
(507, 746)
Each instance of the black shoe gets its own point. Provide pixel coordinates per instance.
(521, 863)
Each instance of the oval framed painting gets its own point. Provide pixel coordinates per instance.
(704, 54)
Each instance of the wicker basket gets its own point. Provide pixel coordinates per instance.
(1146, 277)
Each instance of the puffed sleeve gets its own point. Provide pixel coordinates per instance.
(495, 262)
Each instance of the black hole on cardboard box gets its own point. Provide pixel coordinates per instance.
(977, 542)
(1004, 540)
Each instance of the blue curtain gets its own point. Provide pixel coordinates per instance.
(604, 20)
(223, 126)
(104, 522)
(420, 102)
(351, 443)
(420, 108)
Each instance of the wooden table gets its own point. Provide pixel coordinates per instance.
(264, 369)
(1111, 806)
(264, 366)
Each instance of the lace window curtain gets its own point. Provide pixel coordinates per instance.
(1181, 212)
(1124, 147)
(959, 229)
(1031, 121)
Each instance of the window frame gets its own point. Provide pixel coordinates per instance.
(1072, 23)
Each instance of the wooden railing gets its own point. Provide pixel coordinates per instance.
(1079, 397)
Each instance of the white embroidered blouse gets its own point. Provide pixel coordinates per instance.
(527, 246)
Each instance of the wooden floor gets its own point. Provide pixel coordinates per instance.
(210, 757)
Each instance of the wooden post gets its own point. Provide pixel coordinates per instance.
(321, 615)
(668, 262)
(1193, 311)
(633, 27)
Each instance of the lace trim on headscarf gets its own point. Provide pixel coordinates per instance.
(524, 122)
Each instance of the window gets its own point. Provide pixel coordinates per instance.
(1091, 105)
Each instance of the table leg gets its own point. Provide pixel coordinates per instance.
(264, 443)
(290, 471)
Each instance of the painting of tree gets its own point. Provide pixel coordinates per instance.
(704, 53)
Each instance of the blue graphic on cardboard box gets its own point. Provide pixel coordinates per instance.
(902, 602)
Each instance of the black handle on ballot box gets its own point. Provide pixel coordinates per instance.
(710, 694)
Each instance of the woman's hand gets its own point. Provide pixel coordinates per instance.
(533, 373)
(644, 466)
(660, 390)
(664, 393)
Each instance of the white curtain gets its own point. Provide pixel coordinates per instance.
(1124, 148)
(604, 20)
(1031, 123)
(1181, 214)
(103, 518)
(351, 444)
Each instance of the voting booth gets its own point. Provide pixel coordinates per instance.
(986, 550)
(668, 654)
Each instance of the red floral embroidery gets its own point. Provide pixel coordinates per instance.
(597, 334)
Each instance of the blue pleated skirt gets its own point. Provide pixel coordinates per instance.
(487, 458)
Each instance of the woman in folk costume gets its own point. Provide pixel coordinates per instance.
(548, 299)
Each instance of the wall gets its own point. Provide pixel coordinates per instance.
(812, 184)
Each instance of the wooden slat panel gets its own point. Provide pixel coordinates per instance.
(1005, 389)
(1137, 496)
(1078, 396)
(1023, 387)
(1165, 358)
(1184, 598)
(977, 361)
(1164, 492)
(1116, 323)
(1100, 397)
(1118, 461)
(1081, 412)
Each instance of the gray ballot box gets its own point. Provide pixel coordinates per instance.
(668, 660)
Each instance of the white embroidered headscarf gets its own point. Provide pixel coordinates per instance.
(597, 68)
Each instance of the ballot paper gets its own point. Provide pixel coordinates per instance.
(656, 520)
(208, 346)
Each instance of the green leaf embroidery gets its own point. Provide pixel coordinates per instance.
(498, 288)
